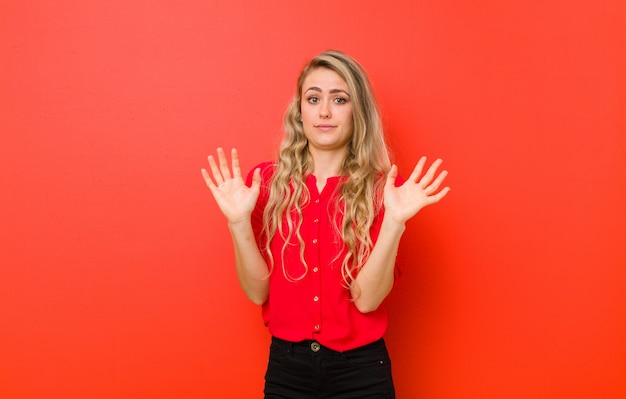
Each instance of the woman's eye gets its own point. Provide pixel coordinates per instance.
(340, 100)
(312, 100)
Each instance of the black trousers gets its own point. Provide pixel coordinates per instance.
(303, 370)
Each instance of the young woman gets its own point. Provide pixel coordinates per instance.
(316, 232)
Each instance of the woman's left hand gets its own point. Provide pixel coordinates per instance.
(402, 203)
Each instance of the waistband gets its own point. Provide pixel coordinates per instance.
(311, 346)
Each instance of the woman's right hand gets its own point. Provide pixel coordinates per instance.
(235, 199)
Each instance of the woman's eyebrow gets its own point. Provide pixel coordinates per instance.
(314, 88)
(332, 91)
(340, 91)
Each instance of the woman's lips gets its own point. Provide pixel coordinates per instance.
(324, 127)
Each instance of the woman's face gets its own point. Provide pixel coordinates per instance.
(326, 109)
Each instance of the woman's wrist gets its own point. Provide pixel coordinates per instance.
(240, 224)
(390, 223)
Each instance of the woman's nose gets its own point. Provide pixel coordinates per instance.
(324, 110)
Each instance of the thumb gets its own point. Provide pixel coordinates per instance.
(256, 179)
(391, 177)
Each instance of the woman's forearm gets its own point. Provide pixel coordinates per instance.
(252, 270)
(375, 280)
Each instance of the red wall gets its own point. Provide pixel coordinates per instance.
(117, 277)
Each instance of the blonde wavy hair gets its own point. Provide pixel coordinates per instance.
(364, 167)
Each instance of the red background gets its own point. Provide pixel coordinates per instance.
(117, 276)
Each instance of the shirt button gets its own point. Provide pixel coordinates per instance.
(317, 327)
(315, 241)
(317, 201)
(316, 298)
(315, 269)
(316, 220)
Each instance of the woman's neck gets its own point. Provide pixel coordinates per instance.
(327, 164)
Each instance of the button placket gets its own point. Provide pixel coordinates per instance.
(315, 294)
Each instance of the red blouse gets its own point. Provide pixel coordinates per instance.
(318, 306)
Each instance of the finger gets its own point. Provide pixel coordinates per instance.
(217, 175)
(256, 179)
(417, 171)
(235, 161)
(221, 156)
(437, 197)
(208, 181)
(430, 173)
(391, 176)
(435, 185)
(207, 178)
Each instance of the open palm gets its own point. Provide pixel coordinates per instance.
(402, 203)
(235, 199)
